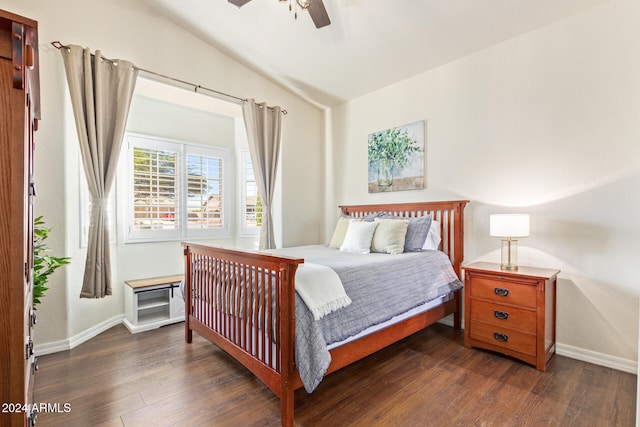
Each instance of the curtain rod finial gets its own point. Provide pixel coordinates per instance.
(59, 45)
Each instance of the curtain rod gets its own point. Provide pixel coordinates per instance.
(196, 87)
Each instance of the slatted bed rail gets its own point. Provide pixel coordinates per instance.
(244, 302)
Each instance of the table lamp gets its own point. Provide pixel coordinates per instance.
(509, 226)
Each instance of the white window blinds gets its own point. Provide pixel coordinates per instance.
(155, 189)
(177, 189)
(204, 191)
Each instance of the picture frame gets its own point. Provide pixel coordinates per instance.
(396, 158)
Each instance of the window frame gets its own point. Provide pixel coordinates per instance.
(183, 149)
(245, 230)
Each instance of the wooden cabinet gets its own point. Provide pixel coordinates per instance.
(19, 112)
(151, 303)
(511, 312)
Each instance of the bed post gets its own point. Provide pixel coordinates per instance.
(458, 244)
(188, 333)
(457, 316)
(458, 255)
(287, 331)
(286, 408)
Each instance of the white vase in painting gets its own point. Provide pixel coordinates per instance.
(385, 175)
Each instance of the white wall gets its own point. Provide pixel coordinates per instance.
(129, 30)
(545, 123)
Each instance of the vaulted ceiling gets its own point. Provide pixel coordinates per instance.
(369, 44)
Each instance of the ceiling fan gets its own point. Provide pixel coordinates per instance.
(316, 10)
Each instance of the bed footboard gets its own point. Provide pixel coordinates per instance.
(244, 303)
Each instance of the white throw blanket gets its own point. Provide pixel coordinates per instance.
(321, 289)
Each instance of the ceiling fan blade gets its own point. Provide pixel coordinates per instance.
(318, 13)
(239, 3)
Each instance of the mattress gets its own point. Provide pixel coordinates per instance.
(382, 287)
(395, 319)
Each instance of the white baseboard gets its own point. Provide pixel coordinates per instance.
(577, 353)
(589, 356)
(596, 358)
(76, 340)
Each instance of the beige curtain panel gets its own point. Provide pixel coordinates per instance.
(101, 92)
(263, 126)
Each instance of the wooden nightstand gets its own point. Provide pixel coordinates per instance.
(511, 312)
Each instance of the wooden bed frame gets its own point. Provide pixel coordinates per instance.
(218, 308)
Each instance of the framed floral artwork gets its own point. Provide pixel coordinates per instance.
(396, 158)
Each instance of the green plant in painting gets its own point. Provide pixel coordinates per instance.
(43, 264)
(392, 146)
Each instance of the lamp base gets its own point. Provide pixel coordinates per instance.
(508, 267)
(509, 255)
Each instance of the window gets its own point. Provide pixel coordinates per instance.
(177, 189)
(251, 207)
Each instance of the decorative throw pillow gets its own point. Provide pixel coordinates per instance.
(416, 232)
(389, 236)
(368, 217)
(432, 241)
(372, 216)
(339, 232)
(358, 237)
(341, 227)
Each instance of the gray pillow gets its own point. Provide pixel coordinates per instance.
(369, 217)
(416, 232)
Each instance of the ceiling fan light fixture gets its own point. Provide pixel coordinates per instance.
(316, 9)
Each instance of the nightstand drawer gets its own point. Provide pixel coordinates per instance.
(504, 337)
(503, 291)
(504, 316)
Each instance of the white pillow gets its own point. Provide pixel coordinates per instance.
(432, 242)
(389, 236)
(358, 237)
(339, 232)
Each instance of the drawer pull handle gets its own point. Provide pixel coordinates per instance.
(500, 337)
(501, 292)
(29, 349)
(501, 315)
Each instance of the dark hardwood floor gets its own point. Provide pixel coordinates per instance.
(429, 379)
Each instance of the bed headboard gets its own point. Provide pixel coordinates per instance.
(450, 215)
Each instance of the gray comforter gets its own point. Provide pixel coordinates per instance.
(381, 286)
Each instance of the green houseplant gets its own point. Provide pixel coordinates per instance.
(388, 148)
(43, 264)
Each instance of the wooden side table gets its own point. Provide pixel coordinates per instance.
(511, 312)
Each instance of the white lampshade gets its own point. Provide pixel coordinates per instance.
(509, 225)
